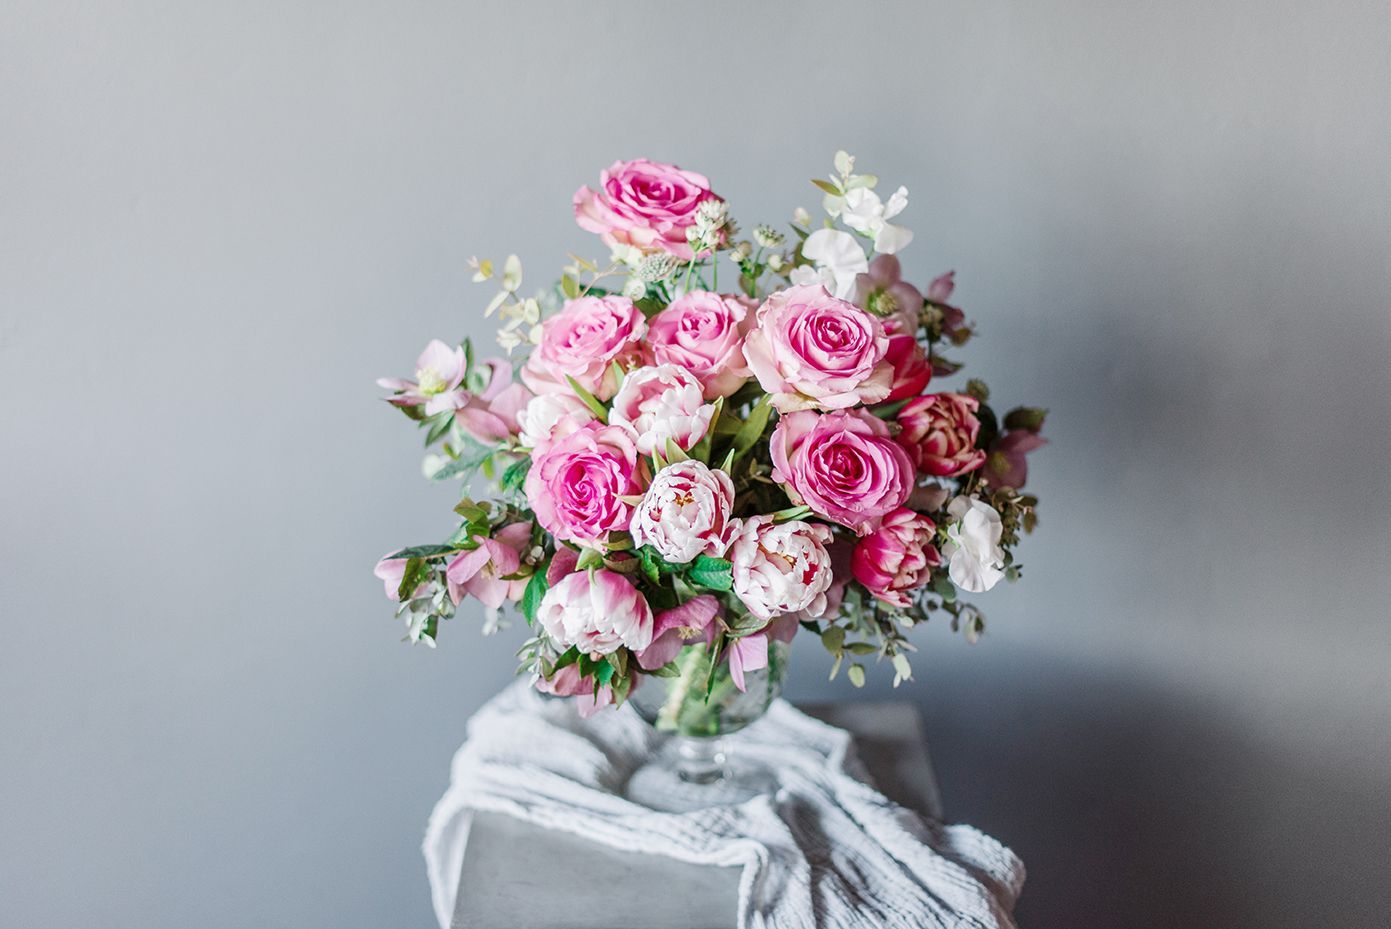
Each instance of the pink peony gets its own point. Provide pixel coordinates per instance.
(597, 611)
(549, 418)
(685, 512)
(897, 557)
(940, 431)
(644, 204)
(704, 333)
(1005, 465)
(843, 465)
(812, 350)
(781, 567)
(480, 573)
(576, 486)
(567, 682)
(662, 403)
(583, 341)
(438, 373)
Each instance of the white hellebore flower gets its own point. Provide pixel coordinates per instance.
(975, 560)
(781, 567)
(685, 512)
(839, 259)
(864, 212)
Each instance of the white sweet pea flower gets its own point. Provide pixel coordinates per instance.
(839, 260)
(975, 560)
(864, 212)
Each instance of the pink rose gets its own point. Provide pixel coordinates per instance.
(597, 611)
(843, 465)
(662, 403)
(781, 567)
(912, 370)
(480, 573)
(567, 682)
(438, 373)
(685, 512)
(897, 557)
(812, 350)
(644, 204)
(1005, 466)
(940, 431)
(582, 341)
(704, 333)
(549, 418)
(576, 487)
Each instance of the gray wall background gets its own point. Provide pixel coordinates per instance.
(219, 222)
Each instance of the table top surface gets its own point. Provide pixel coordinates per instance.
(519, 876)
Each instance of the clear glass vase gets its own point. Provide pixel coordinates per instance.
(698, 708)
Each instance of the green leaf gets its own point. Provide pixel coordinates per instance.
(569, 287)
(649, 565)
(515, 475)
(439, 425)
(571, 655)
(595, 407)
(589, 558)
(667, 670)
(531, 596)
(828, 187)
(470, 458)
(794, 512)
(753, 427)
(424, 551)
(711, 573)
(833, 638)
(1029, 418)
(856, 673)
(603, 673)
(649, 306)
(944, 588)
(675, 452)
(417, 571)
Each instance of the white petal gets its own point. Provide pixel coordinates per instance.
(892, 239)
(896, 203)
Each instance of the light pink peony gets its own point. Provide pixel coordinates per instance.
(781, 567)
(843, 465)
(480, 573)
(704, 333)
(685, 512)
(644, 204)
(597, 611)
(582, 341)
(897, 557)
(438, 373)
(567, 682)
(576, 486)
(662, 403)
(549, 418)
(812, 350)
(940, 431)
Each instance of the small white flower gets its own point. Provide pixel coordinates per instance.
(863, 211)
(975, 560)
(768, 237)
(839, 259)
(801, 217)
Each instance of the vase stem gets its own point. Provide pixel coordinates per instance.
(700, 760)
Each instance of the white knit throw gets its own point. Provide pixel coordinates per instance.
(825, 850)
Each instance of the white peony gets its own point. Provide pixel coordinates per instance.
(781, 567)
(685, 512)
(839, 260)
(864, 212)
(548, 418)
(598, 611)
(660, 403)
(975, 560)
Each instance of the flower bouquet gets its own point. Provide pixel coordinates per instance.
(683, 477)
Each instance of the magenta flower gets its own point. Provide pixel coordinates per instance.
(578, 486)
(644, 204)
(883, 292)
(1005, 465)
(897, 557)
(677, 628)
(940, 431)
(481, 573)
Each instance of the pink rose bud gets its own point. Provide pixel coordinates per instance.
(597, 611)
(644, 204)
(912, 370)
(812, 350)
(704, 333)
(583, 341)
(662, 403)
(843, 465)
(685, 512)
(940, 431)
(781, 567)
(576, 486)
(897, 557)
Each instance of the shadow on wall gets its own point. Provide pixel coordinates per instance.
(1135, 807)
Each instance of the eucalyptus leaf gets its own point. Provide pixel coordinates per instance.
(595, 407)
